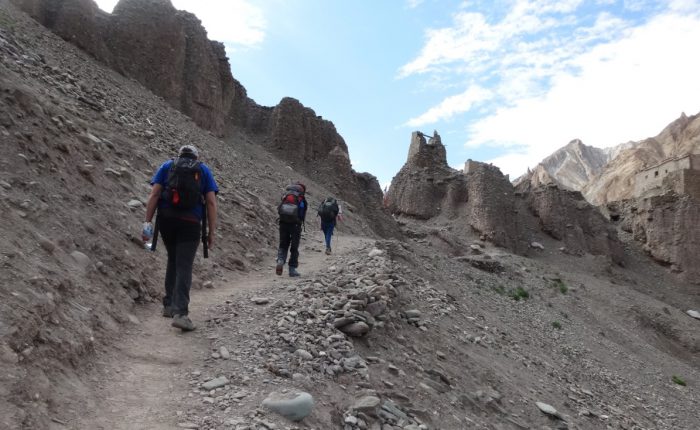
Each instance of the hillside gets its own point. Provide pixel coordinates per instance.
(473, 303)
(607, 175)
(573, 166)
(616, 180)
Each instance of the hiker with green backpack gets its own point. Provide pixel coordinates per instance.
(184, 193)
(329, 211)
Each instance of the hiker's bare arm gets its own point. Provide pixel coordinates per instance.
(211, 216)
(153, 201)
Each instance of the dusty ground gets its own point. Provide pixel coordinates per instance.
(82, 344)
(138, 383)
(476, 359)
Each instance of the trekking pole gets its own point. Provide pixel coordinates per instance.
(205, 241)
(154, 242)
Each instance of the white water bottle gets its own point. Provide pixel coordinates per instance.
(147, 232)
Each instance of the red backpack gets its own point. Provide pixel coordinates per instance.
(288, 209)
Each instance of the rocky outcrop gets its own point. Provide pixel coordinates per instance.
(168, 51)
(484, 201)
(426, 186)
(149, 40)
(306, 140)
(567, 216)
(667, 228)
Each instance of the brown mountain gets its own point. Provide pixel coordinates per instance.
(616, 179)
(606, 175)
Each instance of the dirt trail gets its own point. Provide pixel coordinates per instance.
(135, 387)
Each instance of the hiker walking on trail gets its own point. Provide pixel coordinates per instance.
(184, 193)
(329, 211)
(292, 211)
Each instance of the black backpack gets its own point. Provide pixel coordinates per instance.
(328, 209)
(288, 209)
(184, 186)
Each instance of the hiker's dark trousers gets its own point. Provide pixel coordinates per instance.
(290, 234)
(181, 239)
(327, 228)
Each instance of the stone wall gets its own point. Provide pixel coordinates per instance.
(491, 207)
(426, 153)
(665, 176)
(691, 183)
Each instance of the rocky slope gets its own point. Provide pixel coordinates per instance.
(168, 52)
(659, 223)
(399, 336)
(80, 145)
(443, 331)
(483, 201)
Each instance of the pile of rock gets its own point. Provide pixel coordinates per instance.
(371, 412)
(313, 331)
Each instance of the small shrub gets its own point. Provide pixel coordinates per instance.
(500, 290)
(519, 293)
(6, 22)
(561, 286)
(678, 380)
(556, 325)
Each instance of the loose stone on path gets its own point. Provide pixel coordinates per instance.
(215, 383)
(292, 406)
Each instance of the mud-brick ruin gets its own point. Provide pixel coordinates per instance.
(679, 174)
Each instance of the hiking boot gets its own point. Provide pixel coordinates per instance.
(183, 323)
(279, 267)
(168, 312)
(293, 272)
(328, 251)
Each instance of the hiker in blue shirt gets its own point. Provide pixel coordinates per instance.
(292, 212)
(184, 190)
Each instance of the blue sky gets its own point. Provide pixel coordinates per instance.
(503, 81)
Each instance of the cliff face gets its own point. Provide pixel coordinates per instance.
(422, 187)
(667, 228)
(168, 51)
(567, 216)
(149, 40)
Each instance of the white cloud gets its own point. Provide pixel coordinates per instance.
(626, 90)
(238, 23)
(557, 71)
(451, 106)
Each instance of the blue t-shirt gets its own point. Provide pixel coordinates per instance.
(302, 209)
(208, 184)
